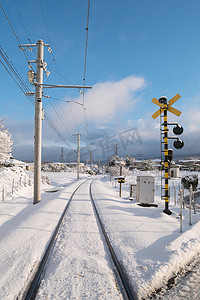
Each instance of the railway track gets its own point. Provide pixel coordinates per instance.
(122, 282)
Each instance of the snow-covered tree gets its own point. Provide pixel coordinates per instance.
(148, 165)
(129, 160)
(112, 160)
(5, 143)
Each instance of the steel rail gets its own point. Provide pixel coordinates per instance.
(124, 279)
(33, 287)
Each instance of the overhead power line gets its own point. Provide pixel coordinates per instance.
(12, 27)
(12, 71)
(15, 74)
(19, 81)
(84, 72)
(63, 119)
(86, 42)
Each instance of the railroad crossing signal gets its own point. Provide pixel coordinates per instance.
(121, 180)
(164, 107)
(162, 102)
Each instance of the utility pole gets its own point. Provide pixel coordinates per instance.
(38, 110)
(38, 123)
(62, 155)
(91, 160)
(116, 149)
(99, 165)
(78, 153)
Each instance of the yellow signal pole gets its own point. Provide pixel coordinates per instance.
(166, 210)
(165, 107)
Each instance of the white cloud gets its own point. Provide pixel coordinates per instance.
(104, 101)
(192, 120)
(108, 98)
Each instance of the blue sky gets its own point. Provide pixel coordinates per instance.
(137, 50)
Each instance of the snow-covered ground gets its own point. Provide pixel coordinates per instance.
(79, 267)
(147, 241)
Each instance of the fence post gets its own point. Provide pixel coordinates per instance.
(3, 193)
(193, 202)
(174, 194)
(47, 180)
(183, 196)
(20, 180)
(181, 211)
(190, 211)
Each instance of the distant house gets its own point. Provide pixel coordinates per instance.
(190, 164)
(74, 164)
(120, 163)
(137, 164)
(16, 163)
(30, 167)
(156, 163)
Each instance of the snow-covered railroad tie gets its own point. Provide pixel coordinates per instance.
(80, 264)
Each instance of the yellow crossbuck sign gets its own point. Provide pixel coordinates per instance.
(169, 107)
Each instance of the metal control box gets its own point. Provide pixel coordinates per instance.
(145, 189)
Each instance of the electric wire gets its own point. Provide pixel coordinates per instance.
(25, 30)
(67, 101)
(59, 117)
(12, 27)
(84, 74)
(11, 75)
(85, 64)
(12, 71)
(13, 30)
(56, 108)
(25, 90)
(49, 41)
(86, 43)
(11, 66)
(62, 111)
(21, 18)
(54, 127)
(57, 72)
(15, 74)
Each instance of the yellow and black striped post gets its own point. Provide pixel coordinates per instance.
(165, 107)
(166, 210)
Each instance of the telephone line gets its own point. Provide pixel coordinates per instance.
(25, 89)
(54, 127)
(13, 30)
(59, 117)
(49, 41)
(85, 61)
(84, 72)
